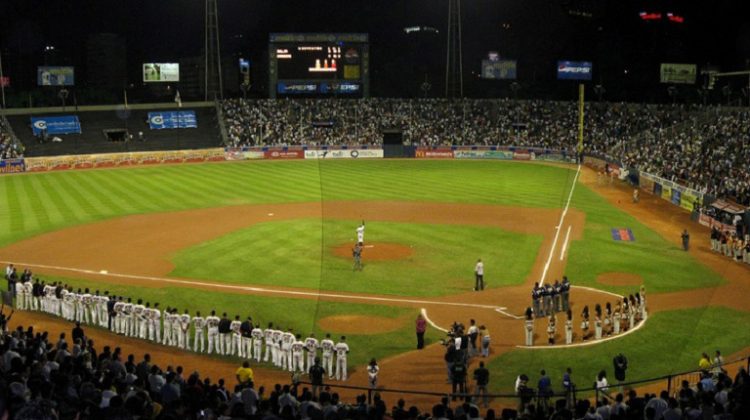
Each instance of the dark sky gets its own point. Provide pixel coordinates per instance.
(539, 32)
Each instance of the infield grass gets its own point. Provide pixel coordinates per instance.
(299, 253)
(670, 342)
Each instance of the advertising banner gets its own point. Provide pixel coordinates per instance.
(12, 166)
(55, 76)
(574, 70)
(657, 189)
(106, 160)
(523, 156)
(172, 119)
(676, 194)
(284, 154)
(239, 154)
(500, 69)
(647, 184)
(483, 154)
(65, 124)
(666, 193)
(678, 73)
(344, 154)
(161, 72)
(434, 154)
(285, 88)
(687, 200)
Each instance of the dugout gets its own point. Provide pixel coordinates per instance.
(394, 147)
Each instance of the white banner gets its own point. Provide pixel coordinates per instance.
(344, 154)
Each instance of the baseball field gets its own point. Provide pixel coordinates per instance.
(273, 240)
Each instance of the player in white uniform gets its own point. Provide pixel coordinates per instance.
(235, 348)
(257, 336)
(184, 321)
(145, 321)
(298, 355)
(268, 340)
(311, 345)
(86, 302)
(276, 351)
(117, 309)
(127, 314)
(177, 335)
(327, 346)
(66, 302)
(94, 308)
(138, 308)
(25, 293)
(341, 350)
(167, 336)
(154, 324)
(212, 322)
(199, 323)
(78, 309)
(21, 295)
(361, 233)
(287, 339)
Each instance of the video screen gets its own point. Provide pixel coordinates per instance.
(322, 61)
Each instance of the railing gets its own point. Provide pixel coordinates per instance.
(670, 382)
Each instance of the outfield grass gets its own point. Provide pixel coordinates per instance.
(301, 315)
(664, 266)
(299, 253)
(670, 342)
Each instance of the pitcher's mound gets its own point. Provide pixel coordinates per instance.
(620, 279)
(359, 324)
(375, 251)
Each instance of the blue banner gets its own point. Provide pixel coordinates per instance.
(172, 119)
(65, 124)
(12, 166)
(574, 70)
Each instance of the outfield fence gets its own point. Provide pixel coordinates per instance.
(670, 383)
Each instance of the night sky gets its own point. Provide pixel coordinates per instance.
(537, 33)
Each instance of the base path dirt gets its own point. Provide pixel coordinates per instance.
(620, 279)
(376, 251)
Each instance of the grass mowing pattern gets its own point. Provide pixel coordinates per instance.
(670, 342)
(41, 202)
(299, 314)
(664, 266)
(298, 253)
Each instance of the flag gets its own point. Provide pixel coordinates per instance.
(178, 99)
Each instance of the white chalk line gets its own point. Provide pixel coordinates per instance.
(565, 243)
(591, 289)
(508, 314)
(257, 289)
(587, 343)
(429, 321)
(559, 225)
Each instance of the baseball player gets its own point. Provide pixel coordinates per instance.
(633, 310)
(178, 338)
(78, 305)
(199, 323)
(66, 300)
(616, 319)
(357, 254)
(104, 310)
(551, 329)
(246, 328)
(311, 345)
(117, 308)
(212, 323)
(565, 291)
(257, 336)
(607, 319)
(479, 276)
(341, 351)
(225, 334)
(144, 322)
(235, 348)
(127, 312)
(94, 308)
(137, 318)
(625, 312)
(276, 350)
(21, 296)
(287, 339)
(557, 296)
(167, 335)
(298, 354)
(529, 327)
(185, 329)
(598, 322)
(86, 307)
(569, 327)
(585, 323)
(361, 234)
(268, 340)
(327, 346)
(535, 298)
(547, 295)
(154, 324)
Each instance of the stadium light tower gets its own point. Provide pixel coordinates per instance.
(454, 74)
(214, 87)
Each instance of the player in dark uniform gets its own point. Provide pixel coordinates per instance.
(535, 295)
(357, 254)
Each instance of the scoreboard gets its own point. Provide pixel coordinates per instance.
(318, 65)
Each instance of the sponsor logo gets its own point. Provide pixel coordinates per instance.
(41, 124)
(157, 120)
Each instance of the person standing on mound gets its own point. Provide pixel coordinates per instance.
(361, 233)
(479, 276)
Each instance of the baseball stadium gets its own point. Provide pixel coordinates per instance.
(276, 226)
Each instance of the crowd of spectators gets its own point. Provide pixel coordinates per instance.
(9, 148)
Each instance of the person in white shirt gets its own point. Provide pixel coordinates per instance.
(276, 351)
(135, 329)
(601, 381)
(21, 296)
(372, 373)
(286, 350)
(311, 345)
(326, 346)
(212, 323)
(199, 323)
(154, 324)
(184, 321)
(341, 351)
(479, 276)
(268, 340)
(361, 233)
(298, 355)
(235, 348)
(117, 308)
(257, 337)
(127, 313)
(144, 322)
(86, 307)
(166, 338)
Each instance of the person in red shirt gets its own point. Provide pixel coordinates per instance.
(421, 328)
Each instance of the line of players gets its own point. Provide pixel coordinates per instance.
(550, 298)
(606, 321)
(731, 245)
(210, 334)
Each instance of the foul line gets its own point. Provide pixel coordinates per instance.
(565, 243)
(587, 343)
(508, 314)
(429, 321)
(559, 226)
(591, 289)
(257, 289)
